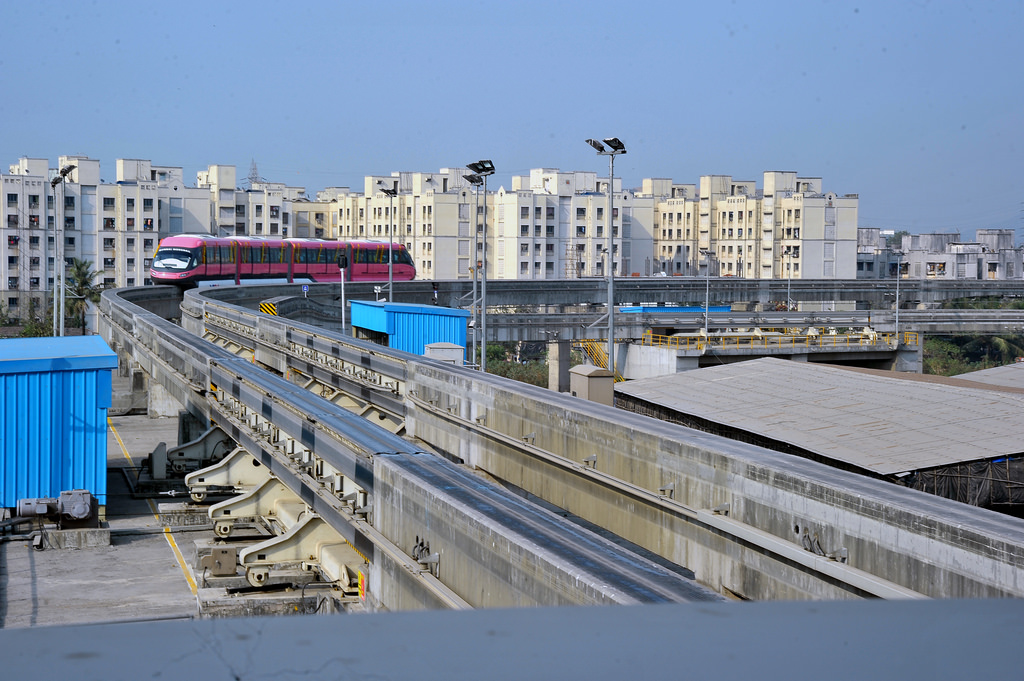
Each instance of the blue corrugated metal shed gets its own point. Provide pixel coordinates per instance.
(411, 327)
(54, 395)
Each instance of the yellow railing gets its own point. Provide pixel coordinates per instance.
(596, 353)
(778, 340)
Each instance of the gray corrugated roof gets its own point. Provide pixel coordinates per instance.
(1011, 375)
(883, 422)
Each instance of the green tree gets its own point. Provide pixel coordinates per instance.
(81, 290)
(37, 325)
(896, 240)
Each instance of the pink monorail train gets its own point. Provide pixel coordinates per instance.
(197, 260)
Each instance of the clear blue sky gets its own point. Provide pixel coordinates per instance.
(916, 106)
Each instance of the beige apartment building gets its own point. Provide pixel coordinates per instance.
(549, 224)
(788, 228)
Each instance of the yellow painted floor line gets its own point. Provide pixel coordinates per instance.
(153, 509)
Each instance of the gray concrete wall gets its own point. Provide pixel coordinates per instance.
(917, 541)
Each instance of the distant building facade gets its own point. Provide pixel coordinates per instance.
(992, 255)
(789, 228)
(549, 224)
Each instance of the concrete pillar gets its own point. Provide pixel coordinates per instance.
(910, 358)
(161, 403)
(559, 352)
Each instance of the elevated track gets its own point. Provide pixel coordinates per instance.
(735, 515)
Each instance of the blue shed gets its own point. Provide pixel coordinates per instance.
(54, 395)
(409, 327)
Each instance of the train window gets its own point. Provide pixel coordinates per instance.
(274, 255)
(226, 254)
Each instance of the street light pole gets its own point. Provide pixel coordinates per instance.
(484, 169)
(58, 301)
(789, 278)
(476, 181)
(390, 192)
(706, 252)
(615, 147)
(899, 257)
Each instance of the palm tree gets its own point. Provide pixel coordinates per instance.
(81, 290)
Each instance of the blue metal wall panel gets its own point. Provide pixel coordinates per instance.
(54, 395)
(411, 327)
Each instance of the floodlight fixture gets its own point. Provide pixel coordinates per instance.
(473, 179)
(597, 145)
(616, 144)
(482, 168)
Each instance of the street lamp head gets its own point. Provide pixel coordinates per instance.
(473, 179)
(482, 168)
(389, 191)
(597, 145)
(616, 144)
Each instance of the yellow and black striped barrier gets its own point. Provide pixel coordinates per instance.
(268, 308)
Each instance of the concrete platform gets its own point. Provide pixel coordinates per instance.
(129, 569)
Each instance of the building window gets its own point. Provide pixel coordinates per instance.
(12, 261)
(33, 241)
(259, 211)
(130, 223)
(147, 205)
(108, 203)
(240, 211)
(69, 203)
(33, 282)
(147, 262)
(12, 241)
(12, 220)
(12, 302)
(108, 223)
(147, 244)
(275, 212)
(108, 244)
(12, 200)
(108, 282)
(33, 201)
(147, 223)
(108, 263)
(69, 223)
(33, 220)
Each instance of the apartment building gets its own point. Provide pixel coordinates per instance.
(554, 225)
(992, 254)
(550, 224)
(787, 229)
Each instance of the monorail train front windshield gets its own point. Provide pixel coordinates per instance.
(175, 259)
